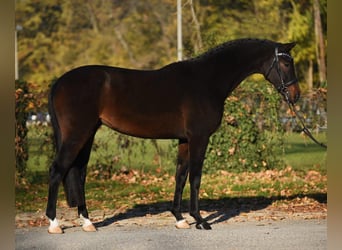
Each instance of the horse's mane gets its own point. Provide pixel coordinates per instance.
(233, 45)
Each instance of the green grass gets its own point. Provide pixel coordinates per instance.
(303, 154)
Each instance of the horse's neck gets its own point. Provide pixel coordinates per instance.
(228, 75)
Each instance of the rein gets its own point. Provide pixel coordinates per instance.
(284, 91)
(304, 129)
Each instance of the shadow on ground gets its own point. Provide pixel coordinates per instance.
(220, 209)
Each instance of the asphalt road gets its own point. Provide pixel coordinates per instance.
(283, 234)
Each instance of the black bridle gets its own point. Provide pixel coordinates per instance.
(283, 89)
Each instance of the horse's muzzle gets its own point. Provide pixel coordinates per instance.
(293, 93)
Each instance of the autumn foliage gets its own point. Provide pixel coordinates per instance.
(23, 102)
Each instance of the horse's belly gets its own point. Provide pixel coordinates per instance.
(163, 126)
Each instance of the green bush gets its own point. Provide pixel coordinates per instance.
(250, 137)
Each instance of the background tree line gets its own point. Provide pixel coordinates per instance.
(57, 35)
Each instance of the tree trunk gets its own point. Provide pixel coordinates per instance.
(124, 44)
(320, 49)
(198, 43)
(309, 77)
(92, 18)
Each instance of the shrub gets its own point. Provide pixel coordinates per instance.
(23, 101)
(250, 137)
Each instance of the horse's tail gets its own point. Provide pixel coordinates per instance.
(72, 180)
(53, 118)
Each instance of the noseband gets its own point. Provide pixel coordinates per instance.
(283, 86)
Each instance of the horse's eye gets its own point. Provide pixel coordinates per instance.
(286, 65)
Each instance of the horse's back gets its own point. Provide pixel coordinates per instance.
(135, 102)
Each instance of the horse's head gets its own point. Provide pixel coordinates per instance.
(280, 71)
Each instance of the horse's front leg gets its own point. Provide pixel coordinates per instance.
(181, 176)
(197, 149)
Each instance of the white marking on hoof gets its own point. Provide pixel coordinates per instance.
(89, 228)
(87, 225)
(182, 224)
(54, 228)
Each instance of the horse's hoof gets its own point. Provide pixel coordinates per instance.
(55, 230)
(182, 224)
(203, 225)
(89, 228)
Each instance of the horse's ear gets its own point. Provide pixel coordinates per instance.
(286, 47)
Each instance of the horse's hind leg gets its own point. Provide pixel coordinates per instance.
(64, 158)
(55, 179)
(181, 176)
(69, 166)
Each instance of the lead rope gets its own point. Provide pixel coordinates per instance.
(304, 129)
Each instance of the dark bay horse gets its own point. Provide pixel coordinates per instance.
(183, 100)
